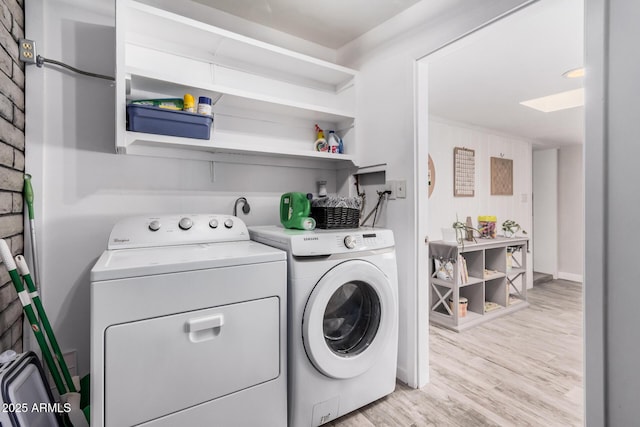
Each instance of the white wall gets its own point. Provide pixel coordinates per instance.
(612, 341)
(443, 207)
(545, 211)
(82, 187)
(570, 213)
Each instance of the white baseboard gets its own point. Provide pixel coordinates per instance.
(401, 374)
(570, 276)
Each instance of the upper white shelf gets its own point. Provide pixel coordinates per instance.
(198, 39)
(244, 89)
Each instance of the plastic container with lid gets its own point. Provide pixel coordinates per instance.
(204, 106)
(487, 226)
(189, 104)
(150, 119)
(463, 303)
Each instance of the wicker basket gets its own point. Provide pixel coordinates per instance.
(335, 217)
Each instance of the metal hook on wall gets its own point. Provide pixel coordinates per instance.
(245, 206)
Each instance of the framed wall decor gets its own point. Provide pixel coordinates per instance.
(431, 176)
(464, 172)
(501, 177)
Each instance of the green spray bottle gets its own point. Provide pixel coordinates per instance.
(294, 211)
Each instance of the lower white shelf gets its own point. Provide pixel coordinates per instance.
(215, 148)
(473, 319)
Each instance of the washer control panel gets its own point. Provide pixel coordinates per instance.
(168, 230)
(323, 242)
(337, 241)
(350, 241)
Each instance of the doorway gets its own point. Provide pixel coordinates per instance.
(442, 112)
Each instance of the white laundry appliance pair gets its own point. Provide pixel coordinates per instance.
(188, 326)
(342, 319)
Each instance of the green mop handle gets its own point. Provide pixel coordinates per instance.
(9, 263)
(28, 195)
(23, 268)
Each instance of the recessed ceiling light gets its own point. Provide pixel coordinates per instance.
(574, 74)
(557, 102)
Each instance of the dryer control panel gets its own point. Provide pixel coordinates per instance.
(170, 230)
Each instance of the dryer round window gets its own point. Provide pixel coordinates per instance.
(352, 318)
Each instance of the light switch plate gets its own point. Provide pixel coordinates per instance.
(401, 189)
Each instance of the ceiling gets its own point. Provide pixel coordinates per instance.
(479, 80)
(330, 23)
(482, 79)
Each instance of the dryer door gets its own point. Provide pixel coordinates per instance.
(349, 319)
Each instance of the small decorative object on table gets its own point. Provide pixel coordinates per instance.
(487, 226)
(469, 229)
(510, 228)
(464, 231)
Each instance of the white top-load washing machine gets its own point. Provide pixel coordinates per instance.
(343, 319)
(188, 325)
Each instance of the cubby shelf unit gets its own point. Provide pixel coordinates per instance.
(266, 99)
(497, 283)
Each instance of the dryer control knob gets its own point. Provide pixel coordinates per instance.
(350, 242)
(213, 223)
(154, 225)
(185, 223)
(228, 223)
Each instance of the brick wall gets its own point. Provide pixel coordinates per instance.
(11, 164)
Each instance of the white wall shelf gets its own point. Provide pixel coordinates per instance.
(266, 99)
(147, 144)
(494, 289)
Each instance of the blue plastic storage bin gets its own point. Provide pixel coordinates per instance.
(149, 119)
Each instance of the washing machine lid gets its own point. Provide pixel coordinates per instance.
(126, 263)
(323, 242)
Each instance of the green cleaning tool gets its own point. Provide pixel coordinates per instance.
(28, 197)
(9, 263)
(23, 269)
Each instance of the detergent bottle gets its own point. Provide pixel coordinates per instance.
(294, 211)
(334, 144)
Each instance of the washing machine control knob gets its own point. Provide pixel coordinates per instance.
(185, 223)
(213, 223)
(154, 225)
(228, 223)
(350, 242)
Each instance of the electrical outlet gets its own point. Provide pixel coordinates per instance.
(27, 51)
(401, 189)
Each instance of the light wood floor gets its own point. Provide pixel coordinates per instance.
(524, 369)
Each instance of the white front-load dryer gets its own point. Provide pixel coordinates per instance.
(342, 319)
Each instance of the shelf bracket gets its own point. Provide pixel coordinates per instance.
(212, 171)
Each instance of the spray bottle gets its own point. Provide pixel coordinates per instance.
(321, 143)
